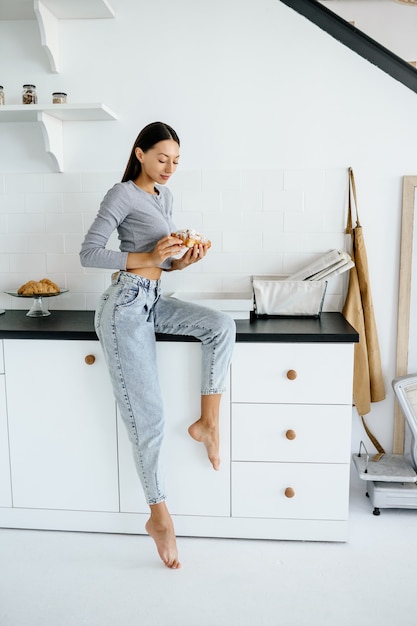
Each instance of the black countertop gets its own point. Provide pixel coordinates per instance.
(75, 325)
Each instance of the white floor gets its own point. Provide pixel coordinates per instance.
(82, 579)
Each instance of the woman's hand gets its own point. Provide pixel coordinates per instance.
(194, 254)
(166, 247)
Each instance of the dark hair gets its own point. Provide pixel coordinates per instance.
(147, 138)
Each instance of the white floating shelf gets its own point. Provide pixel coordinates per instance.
(48, 13)
(64, 112)
(51, 118)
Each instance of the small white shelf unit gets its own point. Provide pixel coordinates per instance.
(51, 118)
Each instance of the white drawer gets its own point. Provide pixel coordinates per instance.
(265, 373)
(284, 432)
(320, 491)
(1, 357)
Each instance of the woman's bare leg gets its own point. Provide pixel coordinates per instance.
(160, 527)
(206, 429)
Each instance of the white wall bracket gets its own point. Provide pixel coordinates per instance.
(49, 12)
(51, 119)
(48, 27)
(53, 138)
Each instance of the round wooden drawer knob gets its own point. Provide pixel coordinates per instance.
(289, 492)
(90, 359)
(290, 434)
(291, 374)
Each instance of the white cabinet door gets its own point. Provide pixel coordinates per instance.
(5, 487)
(62, 426)
(193, 487)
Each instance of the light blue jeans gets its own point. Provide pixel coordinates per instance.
(129, 314)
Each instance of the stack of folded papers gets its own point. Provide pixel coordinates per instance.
(327, 266)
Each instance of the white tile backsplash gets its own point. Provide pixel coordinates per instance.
(243, 201)
(223, 180)
(190, 219)
(239, 241)
(63, 263)
(4, 263)
(263, 263)
(72, 243)
(317, 243)
(10, 244)
(87, 283)
(99, 182)
(24, 223)
(10, 202)
(64, 223)
(44, 202)
(305, 222)
(69, 182)
(70, 300)
(237, 282)
(285, 243)
(221, 220)
(277, 200)
(201, 201)
(199, 282)
(266, 222)
(334, 222)
(82, 202)
(30, 264)
(223, 263)
(259, 221)
(41, 243)
(258, 180)
(306, 180)
(187, 181)
(23, 183)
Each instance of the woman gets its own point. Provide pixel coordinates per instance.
(132, 309)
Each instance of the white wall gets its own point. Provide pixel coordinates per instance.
(270, 111)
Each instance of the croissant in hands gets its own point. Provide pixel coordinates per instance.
(191, 237)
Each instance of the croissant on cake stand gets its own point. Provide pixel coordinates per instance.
(43, 286)
(38, 290)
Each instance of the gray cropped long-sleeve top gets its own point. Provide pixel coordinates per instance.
(140, 218)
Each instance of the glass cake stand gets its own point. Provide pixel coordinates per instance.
(39, 307)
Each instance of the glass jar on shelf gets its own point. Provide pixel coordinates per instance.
(59, 97)
(1, 95)
(29, 95)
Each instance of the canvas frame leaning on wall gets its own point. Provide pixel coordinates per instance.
(407, 300)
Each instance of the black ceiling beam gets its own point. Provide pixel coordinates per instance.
(356, 40)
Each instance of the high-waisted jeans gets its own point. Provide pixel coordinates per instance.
(129, 314)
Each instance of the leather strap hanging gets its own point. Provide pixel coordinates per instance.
(368, 384)
(374, 440)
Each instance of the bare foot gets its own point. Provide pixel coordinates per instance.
(160, 527)
(209, 435)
